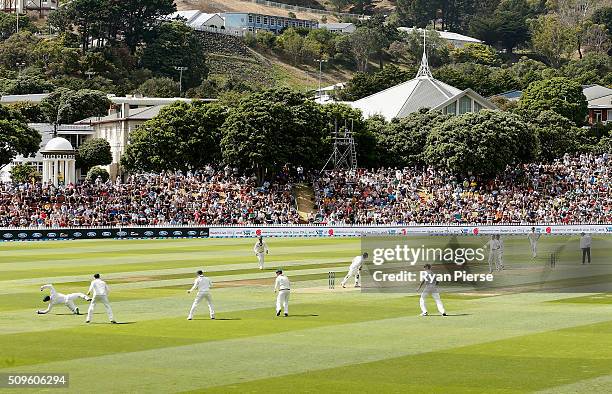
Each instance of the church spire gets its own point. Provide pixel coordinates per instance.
(424, 67)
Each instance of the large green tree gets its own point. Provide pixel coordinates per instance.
(159, 87)
(16, 138)
(561, 95)
(365, 84)
(552, 38)
(558, 135)
(173, 44)
(94, 152)
(482, 143)
(184, 136)
(68, 106)
(402, 142)
(269, 129)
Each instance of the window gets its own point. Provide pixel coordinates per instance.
(465, 105)
(477, 107)
(258, 19)
(451, 108)
(250, 19)
(597, 116)
(609, 117)
(265, 19)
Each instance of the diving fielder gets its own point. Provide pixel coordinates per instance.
(55, 298)
(203, 284)
(261, 250)
(283, 286)
(100, 291)
(430, 288)
(355, 270)
(533, 242)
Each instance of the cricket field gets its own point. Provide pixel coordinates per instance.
(335, 340)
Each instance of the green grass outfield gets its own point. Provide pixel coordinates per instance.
(334, 341)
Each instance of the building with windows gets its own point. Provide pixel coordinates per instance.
(253, 22)
(423, 91)
(599, 100)
(340, 28)
(198, 20)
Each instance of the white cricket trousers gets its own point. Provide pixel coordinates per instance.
(104, 300)
(70, 300)
(260, 260)
(435, 295)
(493, 258)
(534, 249)
(282, 300)
(348, 276)
(202, 295)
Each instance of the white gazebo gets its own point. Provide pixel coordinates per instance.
(59, 163)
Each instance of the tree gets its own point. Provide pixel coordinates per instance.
(481, 143)
(94, 152)
(26, 84)
(476, 53)
(18, 51)
(159, 87)
(30, 111)
(8, 24)
(551, 38)
(575, 14)
(16, 138)
(402, 142)
(363, 44)
(68, 106)
(97, 172)
(184, 136)
(438, 52)
(173, 44)
(291, 43)
(603, 16)
(138, 17)
(561, 95)
(22, 173)
(363, 84)
(339, 4)
(557, 134)
(269, 129)
(597, 39)
(506, 26)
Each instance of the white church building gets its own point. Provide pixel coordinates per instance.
(423, 91)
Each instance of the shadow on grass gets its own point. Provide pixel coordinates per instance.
(312, 315)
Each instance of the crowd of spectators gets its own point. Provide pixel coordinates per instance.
(570, 190)
(207, 198)
(574, 189)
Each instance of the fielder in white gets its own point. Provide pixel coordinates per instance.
(261, 250)
(283, 286)
(533, 242)
(355, 270)
(100, 291)
(500, 254)
(203, 284)
(493, 246)
(430, 288)
(55, 298)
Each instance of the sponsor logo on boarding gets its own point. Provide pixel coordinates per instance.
(148, 233)
(77, 234)
(163, 233)
(36, 235)
(92, 234)
(192, 233)
(106, 233)
(22, 235)
(8, 235)
(121, 233)
(51, 235)
(177, 233)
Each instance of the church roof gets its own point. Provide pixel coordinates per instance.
(423, 91)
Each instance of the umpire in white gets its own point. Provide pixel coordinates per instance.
(203, 284)
(283, 286)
